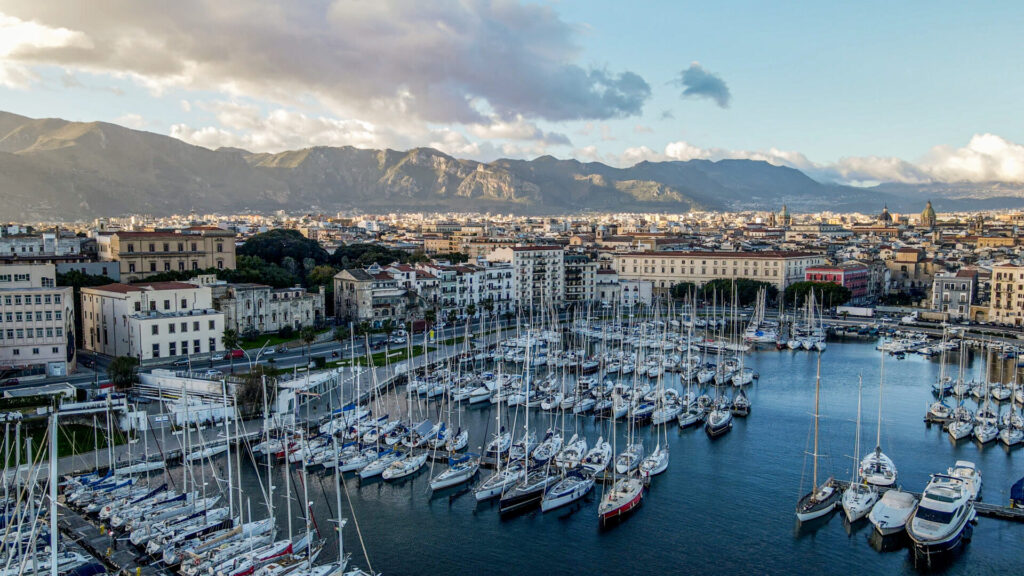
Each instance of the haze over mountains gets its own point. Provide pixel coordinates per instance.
(56, 169)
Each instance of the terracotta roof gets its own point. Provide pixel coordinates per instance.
(694, 254)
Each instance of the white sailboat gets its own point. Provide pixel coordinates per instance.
(822, 499)
(876, 468)
(859, 497)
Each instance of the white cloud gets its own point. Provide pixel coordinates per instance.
(397, 61)
(18, 36)
(986, 158)
(130, 120)
(245, 126)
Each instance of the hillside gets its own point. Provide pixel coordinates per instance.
(52, 168)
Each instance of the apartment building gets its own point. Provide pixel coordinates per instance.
(851, 275)
(953, 293)
(580, 279)
(144, 254)
(1007, 302)
(538, 274)
(37, 319)
(151, 321)
(664, 269)
(370, 295)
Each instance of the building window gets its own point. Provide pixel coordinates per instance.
(170, 329)
(156, 350)
(58, 314)
(167, 266)
(212, 325)
(195, 326)
(138, 306)
(60, 332)
(167, 248)
(131, 267)
(155, 330)
(17, 352)
(184, 327)
(35, 351)
(184, 303)
(167, 304)
(152, 266)
(196, 349)
(213, 344)
(172, 348)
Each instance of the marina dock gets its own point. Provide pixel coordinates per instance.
(986, 509)
(122, 557)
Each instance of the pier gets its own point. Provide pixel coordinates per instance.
(986, 509)
(99, 544)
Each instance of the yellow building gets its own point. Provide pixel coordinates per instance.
(1007, 304)
(664, 269)
(144, 254)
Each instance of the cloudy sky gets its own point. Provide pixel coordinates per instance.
(855, 92)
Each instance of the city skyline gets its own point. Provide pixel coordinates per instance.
(852, 94)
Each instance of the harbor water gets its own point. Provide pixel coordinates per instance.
(724, 506)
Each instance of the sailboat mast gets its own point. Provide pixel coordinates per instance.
(54, 534)
(881, 382)
(817, 399)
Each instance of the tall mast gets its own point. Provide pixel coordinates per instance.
(881, 382)
(817, 398)
(53, 493)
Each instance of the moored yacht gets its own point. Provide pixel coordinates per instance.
(942, 517)
(890, 514)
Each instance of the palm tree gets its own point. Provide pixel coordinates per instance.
(122, 370)
(230, 341)
(308, 336)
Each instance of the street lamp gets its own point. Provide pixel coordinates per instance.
(258, 354)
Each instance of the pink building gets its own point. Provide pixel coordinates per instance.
(852, 275)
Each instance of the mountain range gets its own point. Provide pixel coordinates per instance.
(53, 169)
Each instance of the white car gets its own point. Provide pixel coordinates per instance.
(217, 357)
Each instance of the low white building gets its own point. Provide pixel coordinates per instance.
(151, 321)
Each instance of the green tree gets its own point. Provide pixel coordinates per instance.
(122, 371)
(276, 245)
(452, 317)
(457, 257)
(308, 336)
(682, 290)
(250, 393)
(322, 275)
(826, 294)
(230, 340)
(746, 290)
(430, 316)
(471, 310)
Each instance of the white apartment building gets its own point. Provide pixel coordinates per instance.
(151, 321)
(664, 269)
(258, 308)
(538, 274)
(37, 320)
(580, 279)
(484, 285)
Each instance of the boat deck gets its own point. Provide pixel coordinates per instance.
(986, 509)
(75, 527)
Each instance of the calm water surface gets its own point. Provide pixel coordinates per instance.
(723, 507)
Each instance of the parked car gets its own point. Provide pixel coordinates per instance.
(237, 353)
(217, 356)
(213, 374)
(9, 382)
(180, 362)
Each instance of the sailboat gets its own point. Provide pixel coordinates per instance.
(625, 494)
(573, 486)
(859, 497)
(821, 499)
(876, 468)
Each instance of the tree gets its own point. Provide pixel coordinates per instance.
(308, 336)
(457, 257)
(451, 317)
(430, 316)
(471, 310)
(275, 245)
(249, 394)
(230, 340)
(825, 293)
(122, 371)
(746, 290)
(682, 290)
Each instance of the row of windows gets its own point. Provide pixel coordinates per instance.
(704, 271)
(172, 348)
(167, 247)
(28, 316)
(21, 333)
(38, 299)
(172, 326)
(685, 262)
(35, 351)
(167, 266)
